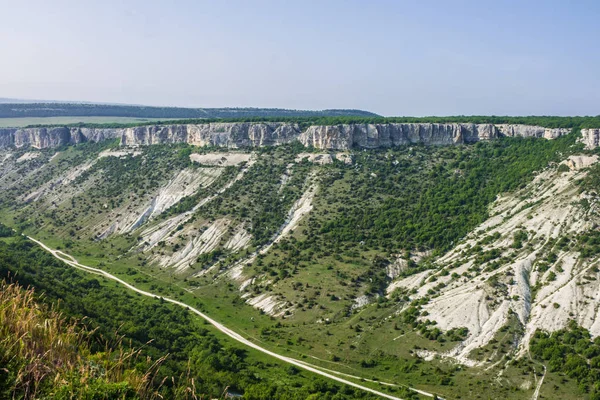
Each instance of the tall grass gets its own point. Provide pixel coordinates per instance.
(44, 355)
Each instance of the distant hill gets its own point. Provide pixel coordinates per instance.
(17, 109)
(19, 101)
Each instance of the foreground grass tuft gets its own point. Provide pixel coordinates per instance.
(43, 354)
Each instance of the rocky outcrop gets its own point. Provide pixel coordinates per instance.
(79, 135)
(53, 137)
(590, 137)
(256, 134)
(6, 138)
(242, 134)
(579, 162)
(344, 137)
(511, 130)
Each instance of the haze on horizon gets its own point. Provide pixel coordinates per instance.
(389, 57)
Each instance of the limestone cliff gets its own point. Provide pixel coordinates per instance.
(256, 134)
(512, 130)
(53, 137)
(385, 135)
(591, 138)
(234, 134)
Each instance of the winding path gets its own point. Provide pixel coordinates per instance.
(538, 386)
(70, 260)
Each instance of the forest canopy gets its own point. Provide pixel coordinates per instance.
(306, 121)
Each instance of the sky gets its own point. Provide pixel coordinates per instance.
(394, 58)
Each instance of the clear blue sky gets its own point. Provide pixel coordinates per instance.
(390, 57)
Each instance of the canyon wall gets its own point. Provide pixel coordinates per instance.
(256, 134)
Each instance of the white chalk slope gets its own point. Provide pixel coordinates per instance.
(482, 297)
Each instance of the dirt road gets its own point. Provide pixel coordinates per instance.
(70, 260)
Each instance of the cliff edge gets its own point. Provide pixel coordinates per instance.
(257, 134)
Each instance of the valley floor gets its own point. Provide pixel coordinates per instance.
(327, 373)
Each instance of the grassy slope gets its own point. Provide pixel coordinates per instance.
(158, 329)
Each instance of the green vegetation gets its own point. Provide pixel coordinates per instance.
(333, 117)
(588, 244)
(519, 237)
(43, 355)
(62, 121)
(123, 175)
(394, 202)
(174, 341)
(571, 353)
(5, 231)
(189, 202)
(257, 199)
(30, 110)
(423, 197)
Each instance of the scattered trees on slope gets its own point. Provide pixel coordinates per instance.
(571, 352)
(160, 330)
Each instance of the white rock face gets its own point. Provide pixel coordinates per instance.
(203, 243)
(579, 162)
(297, 212)
(7, 138)
(591, 138)
(64, 180)
(512, 130)
(120, 153)
(344, 137)
(256, 134)
(5, 157)
(483, 301)
(315, 158)
(41, 138)
(240, 239)
(346, 158)
(220, 159)
(270, 304)
(28, 156)
(236, 134)
(154, 234)
(184, 184)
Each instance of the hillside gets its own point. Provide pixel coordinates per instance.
(464, 267)
(81, 336)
